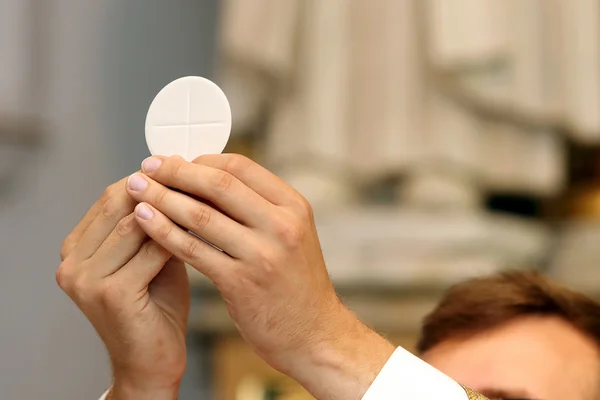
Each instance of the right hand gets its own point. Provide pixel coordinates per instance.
(271, 272)
(134, 293)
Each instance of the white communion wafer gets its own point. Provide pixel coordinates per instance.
(189, 117)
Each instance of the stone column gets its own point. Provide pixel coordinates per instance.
(386, 102)
(581, 57)
(308, 138)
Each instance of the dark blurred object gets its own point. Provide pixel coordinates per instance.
(583, 199)
(23, 39)
(523, 206)
(20, 131)
(18, 137)
(583, 163)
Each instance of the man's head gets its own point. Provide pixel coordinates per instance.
(516, 335)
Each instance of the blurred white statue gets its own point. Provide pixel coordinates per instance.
(457, 97)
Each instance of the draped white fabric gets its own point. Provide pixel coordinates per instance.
(468, 92)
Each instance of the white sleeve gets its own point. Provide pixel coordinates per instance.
(405, 376)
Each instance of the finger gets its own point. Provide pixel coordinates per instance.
(121, 245)
(188, 248)
(116, 205)
(255, 176)
(171, 287)
(73, 238)
(203, 220)
(144, 266)
(221, 188)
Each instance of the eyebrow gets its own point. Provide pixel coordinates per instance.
(506, 394)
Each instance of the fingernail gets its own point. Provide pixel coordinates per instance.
(151, 164)
(137, 183)
(143, 211)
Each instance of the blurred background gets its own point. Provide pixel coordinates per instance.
(436, 139)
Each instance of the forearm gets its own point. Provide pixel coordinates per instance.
(123, 391)
(368, 367)
(344, 366)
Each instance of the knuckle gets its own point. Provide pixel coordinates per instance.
(125, 226)
(164, 232)
(268, 262)
(199, 160)
(176, 168)
(109, 193)
(64, 275)
(265, 260)
(110, 293)
(235, 163)
(224, 180)
(113, 200)
(160, 197)
(151, 250)
(200, 218)
(289, 231)
(191, 249)
(110, 208)
(304, 208)
(79, 289)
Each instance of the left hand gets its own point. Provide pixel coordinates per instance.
(271, 271)
(135, 294)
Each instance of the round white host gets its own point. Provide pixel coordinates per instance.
(189, 117)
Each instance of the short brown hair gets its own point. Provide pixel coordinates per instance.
(484, 303)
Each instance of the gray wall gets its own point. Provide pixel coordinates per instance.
(103, 62)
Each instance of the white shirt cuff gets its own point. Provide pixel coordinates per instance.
(104, 395)
(405, 376)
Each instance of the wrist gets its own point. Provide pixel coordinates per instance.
(345, 364)
(126, 390)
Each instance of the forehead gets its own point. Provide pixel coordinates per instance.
(543, 356)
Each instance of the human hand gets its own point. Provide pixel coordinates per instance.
(271, 271)
(133, 292)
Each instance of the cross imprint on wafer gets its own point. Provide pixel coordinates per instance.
(189, 117)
